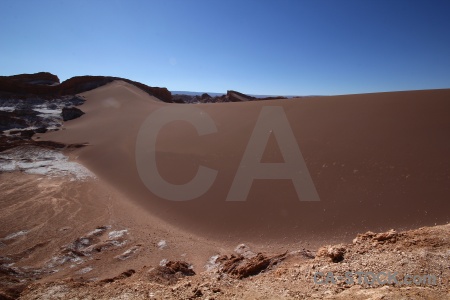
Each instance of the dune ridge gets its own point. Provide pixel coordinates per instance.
(378, 161)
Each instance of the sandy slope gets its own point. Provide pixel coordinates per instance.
(59, 227)
(68, 239)
(378, 161)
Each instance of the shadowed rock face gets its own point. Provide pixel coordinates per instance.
(41, 78)
(234, 96)
(70, 113)
(9, 120)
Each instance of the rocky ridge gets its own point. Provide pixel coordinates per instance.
(230, 96)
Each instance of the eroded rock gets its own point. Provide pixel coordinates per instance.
(240, 267)
(335, 253)
(170, 273)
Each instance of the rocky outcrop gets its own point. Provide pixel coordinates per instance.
(21, 119)
(70, 113)
(234, 96)
(181, 98)
(30, 86)
(384, 237)
(238, 266)
(230, 96)
(243, 263)
(41, 78)
(8, 120)
(335, 253)
(46, 86)
(170, 272)
(205, 97)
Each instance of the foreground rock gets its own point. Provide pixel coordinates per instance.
(170, 272)
(240, 267)
(13, 279)
(421, 251)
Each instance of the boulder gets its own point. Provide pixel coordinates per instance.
(70, 113)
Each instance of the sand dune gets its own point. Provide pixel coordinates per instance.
(377, 161)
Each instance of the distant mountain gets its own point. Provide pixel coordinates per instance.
(196, 93)
(221, 94)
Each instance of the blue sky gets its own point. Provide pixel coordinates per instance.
(256, 47)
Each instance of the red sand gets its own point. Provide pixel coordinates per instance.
(378, 161)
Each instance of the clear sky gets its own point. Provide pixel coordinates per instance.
(257, 47)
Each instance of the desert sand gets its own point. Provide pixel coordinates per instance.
(377, 162)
